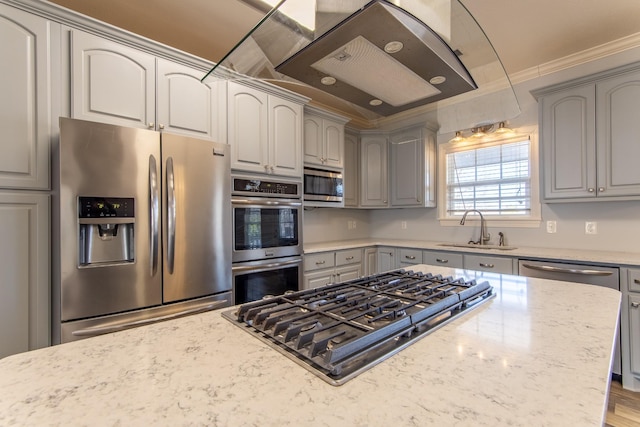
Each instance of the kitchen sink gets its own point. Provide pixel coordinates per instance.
(474, 246)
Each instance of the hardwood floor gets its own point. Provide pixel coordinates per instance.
(624, 407)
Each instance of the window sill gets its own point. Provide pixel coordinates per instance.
(494, 222)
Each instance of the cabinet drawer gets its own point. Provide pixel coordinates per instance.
(410, 256)
(444, 259)
(351, 256)
(318, 261)
(633, 278)
(487, 263)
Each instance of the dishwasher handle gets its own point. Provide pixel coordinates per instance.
(584, 272)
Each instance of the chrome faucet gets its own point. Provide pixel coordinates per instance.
(484, 236)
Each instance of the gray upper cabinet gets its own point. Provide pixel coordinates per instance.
(120, 85)
(351, 172)
(26, 110)
(412, 167)
(374, 185)
(323, 139)
(590, 134)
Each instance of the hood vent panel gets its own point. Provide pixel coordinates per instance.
(353, 53)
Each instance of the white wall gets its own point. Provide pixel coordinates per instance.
(618, 222)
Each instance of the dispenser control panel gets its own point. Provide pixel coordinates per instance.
(106, 207)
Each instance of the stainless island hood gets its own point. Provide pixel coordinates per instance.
(379, 58)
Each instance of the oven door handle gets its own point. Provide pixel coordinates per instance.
(265, 202)
(242, 268)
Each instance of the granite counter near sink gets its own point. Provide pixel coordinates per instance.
(538, 353)
(519, 251)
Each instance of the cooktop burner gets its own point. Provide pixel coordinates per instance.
(340, 330)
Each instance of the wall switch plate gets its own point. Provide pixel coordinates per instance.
(403, 225)
(551, 226)
(591, 227)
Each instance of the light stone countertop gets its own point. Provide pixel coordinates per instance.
(538, 353)
(577, 255)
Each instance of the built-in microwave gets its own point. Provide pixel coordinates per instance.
(323, 188)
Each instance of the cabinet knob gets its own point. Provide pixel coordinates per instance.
(600, 189)
(151, 125)
(161, 126)
(271, 169)
(418, 200)
(591, 190)
(635, 304)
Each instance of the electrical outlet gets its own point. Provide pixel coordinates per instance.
(551, 226)
(354, 223)
(403, 225)
(591, 227)
(349, 225)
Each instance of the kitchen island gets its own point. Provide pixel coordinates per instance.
(538, 353)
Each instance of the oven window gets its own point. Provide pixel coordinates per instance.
(259, 228)
(255, 286)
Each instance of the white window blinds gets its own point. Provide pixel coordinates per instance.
(495, 179)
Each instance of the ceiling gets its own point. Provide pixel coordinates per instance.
(525, 33)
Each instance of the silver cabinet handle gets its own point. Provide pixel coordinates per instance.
(349, 258)
(635, 304)
(154, 215)
(268, 253)
(636, 281)
(482, 264)
(320, 262)
(585, 272)
(409, 257)
(171, 216)
(99, 330)
(442, 261)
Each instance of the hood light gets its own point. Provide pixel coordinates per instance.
(437, 80)
(393, 47)
(328, 81)
(375, 102)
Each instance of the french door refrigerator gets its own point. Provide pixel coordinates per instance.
(142, 225)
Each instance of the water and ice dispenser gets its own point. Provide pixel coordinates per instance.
(106, 230)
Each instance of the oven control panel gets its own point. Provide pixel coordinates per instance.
(266, 188)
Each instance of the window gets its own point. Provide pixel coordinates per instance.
(495, 177)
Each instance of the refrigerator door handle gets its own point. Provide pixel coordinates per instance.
(171, 216)
(154, 214)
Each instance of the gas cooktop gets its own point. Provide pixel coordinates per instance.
(340, 330)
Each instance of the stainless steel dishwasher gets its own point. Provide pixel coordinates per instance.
(587, 274)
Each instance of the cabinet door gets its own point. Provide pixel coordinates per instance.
(313, 140)
(248, 128)
(348, 272)
(386, 259)
(285, 137)
(111, 83)
(407, 168)
(24, 262)
(25, 112)
(370, 261)
(373, 180)
(618, 127)
(189, 107)
(568, 143)
(351, 172)
(318, 278)
(634, 333)
(333, 135)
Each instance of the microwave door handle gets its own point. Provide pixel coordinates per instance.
(154, 215)
(171, 216)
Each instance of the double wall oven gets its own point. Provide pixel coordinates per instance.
(267, 237)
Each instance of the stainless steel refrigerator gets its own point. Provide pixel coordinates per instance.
(142, 228)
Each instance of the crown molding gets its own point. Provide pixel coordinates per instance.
(579, 58)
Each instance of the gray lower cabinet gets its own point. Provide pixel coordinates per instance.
(24, 262)
(630, 328)
(332, 267)
(387, 259)
(493, 264)
(409, 257)
(443, 259)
